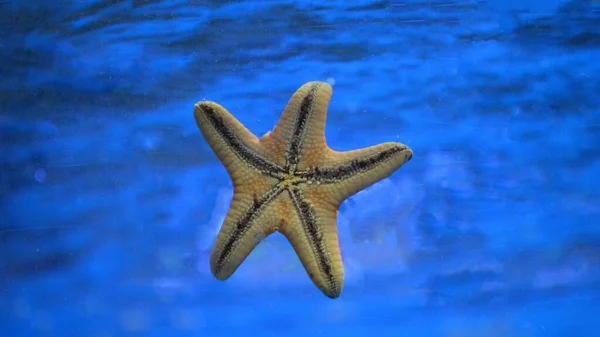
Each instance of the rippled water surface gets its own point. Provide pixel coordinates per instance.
(110, 198)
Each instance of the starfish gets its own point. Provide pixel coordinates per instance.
(291, 182)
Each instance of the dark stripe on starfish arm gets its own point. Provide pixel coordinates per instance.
(328, 175)
(301, 122)
(244, 223)
(315, 238)
(247, 155)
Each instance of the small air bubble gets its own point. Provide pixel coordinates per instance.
(40, 175)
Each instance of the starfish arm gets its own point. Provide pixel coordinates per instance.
(313, 234)
(300, 131)
(246, 224)
(355, 170)
(235, 146)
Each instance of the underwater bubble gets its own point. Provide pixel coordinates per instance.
(40, 175)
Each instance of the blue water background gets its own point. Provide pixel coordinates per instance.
(110, 198)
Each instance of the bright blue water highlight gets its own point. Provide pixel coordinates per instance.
(110, 198)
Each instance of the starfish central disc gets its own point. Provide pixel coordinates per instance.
(290, 180)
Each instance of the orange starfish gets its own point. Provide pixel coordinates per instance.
(290, 181)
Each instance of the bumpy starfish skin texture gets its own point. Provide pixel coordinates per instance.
(290, 181)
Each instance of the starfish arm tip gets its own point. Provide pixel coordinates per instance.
(203, 107)
(332, 293)
(404, 149)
